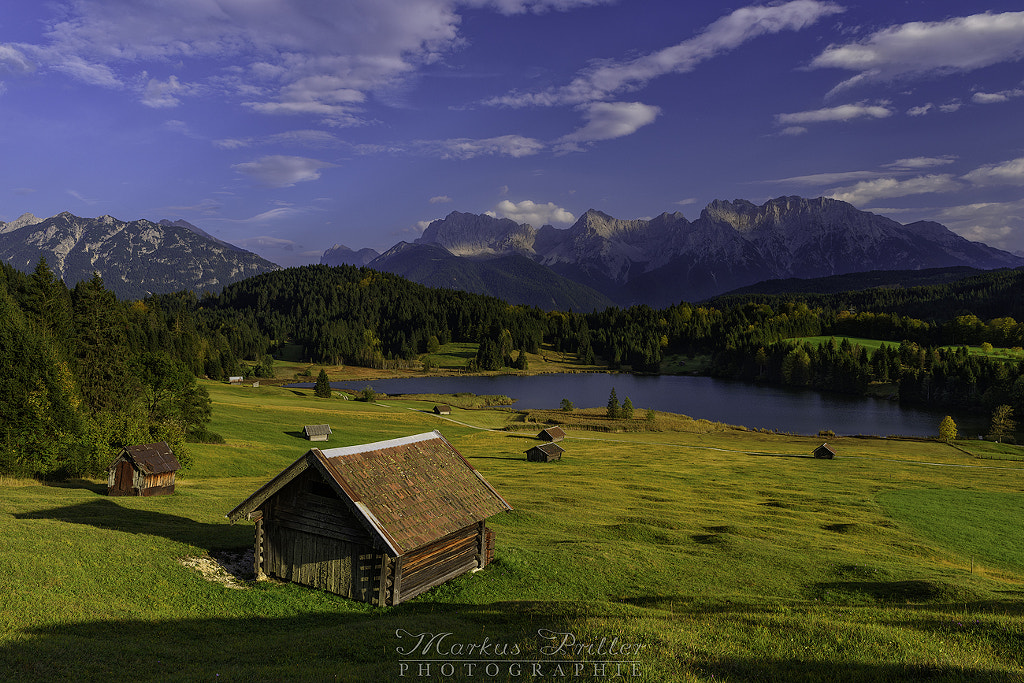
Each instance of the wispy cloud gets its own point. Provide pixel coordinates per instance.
(883, 188)
(1006, 173)
(607, 79)
(281, 170)
(165, 94)
(914, 49)
(608, 120)
(469, 148)
(918, 163)
(842, 113)
(440, 199)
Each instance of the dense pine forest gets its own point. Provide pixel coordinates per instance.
(88, 374)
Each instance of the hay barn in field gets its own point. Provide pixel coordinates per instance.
(824, 451)
(144, 470)
(317, 432)
(380, 522)
(442, 410)
(546, 452)
(551, 434)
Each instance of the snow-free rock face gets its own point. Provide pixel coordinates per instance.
(732, 244)
(20, 222)
(340, 255)
(134, 258)
(467, 234)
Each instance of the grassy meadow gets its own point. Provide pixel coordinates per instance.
(672, 555)
(871, 345)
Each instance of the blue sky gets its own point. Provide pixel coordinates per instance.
(286, 126)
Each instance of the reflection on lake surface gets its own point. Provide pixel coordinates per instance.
(755, 406)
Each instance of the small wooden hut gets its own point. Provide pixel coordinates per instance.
(144, 470)
(442, 409)
(316, 432)
(551, 434)
(381, 522)
(546, 452)
(824, 451)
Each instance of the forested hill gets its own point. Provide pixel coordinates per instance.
(344, 314)
(86, 374)
(948, 293)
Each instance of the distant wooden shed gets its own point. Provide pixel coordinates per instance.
(442, 409)
(546, 452)
(144, 470)
(380, 522)
(317, 432)
(551, 434)
(824, 451)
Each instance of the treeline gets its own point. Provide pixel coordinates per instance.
(362, 317)
(86, 374)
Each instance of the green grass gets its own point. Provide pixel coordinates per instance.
(728, 555)
(999, 353)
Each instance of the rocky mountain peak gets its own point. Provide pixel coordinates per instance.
(21, 221)
(466, 234)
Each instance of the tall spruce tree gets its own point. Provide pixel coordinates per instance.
(323, 385)
(613, 405)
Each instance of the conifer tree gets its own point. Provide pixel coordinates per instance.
(323, 385)
(613, 405)
(627, 409)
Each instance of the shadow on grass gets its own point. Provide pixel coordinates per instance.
(333, 640)
(297, 435)
(104, 513)
(95, 487)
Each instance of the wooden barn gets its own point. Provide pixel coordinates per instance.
(824, 451)
(442, 410)
(316, 432)
(551, 434)
(546, 452)
(381, 522)
(145, 470)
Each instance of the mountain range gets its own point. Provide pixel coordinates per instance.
(134, 258)
(668, 258)
(599, 261)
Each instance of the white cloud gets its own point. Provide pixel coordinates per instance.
(282, 171)
(844, 112)
(468, 148)
(793, 131)
(164, 94)
(530, 212)
(609, 120)
(819, 179)
(993, 223)
(920, 48)
(14, 61)
(996, 97)
(869, 190)
(1007, 173)
(951, 107)
(918, 163)
(608, 78)
(440, 199)
(920, 111)
(535, 6)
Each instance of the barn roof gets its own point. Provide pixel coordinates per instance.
(407, 492)
(151, 458)
(548, 449)
(317, 430)
(552, 434)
